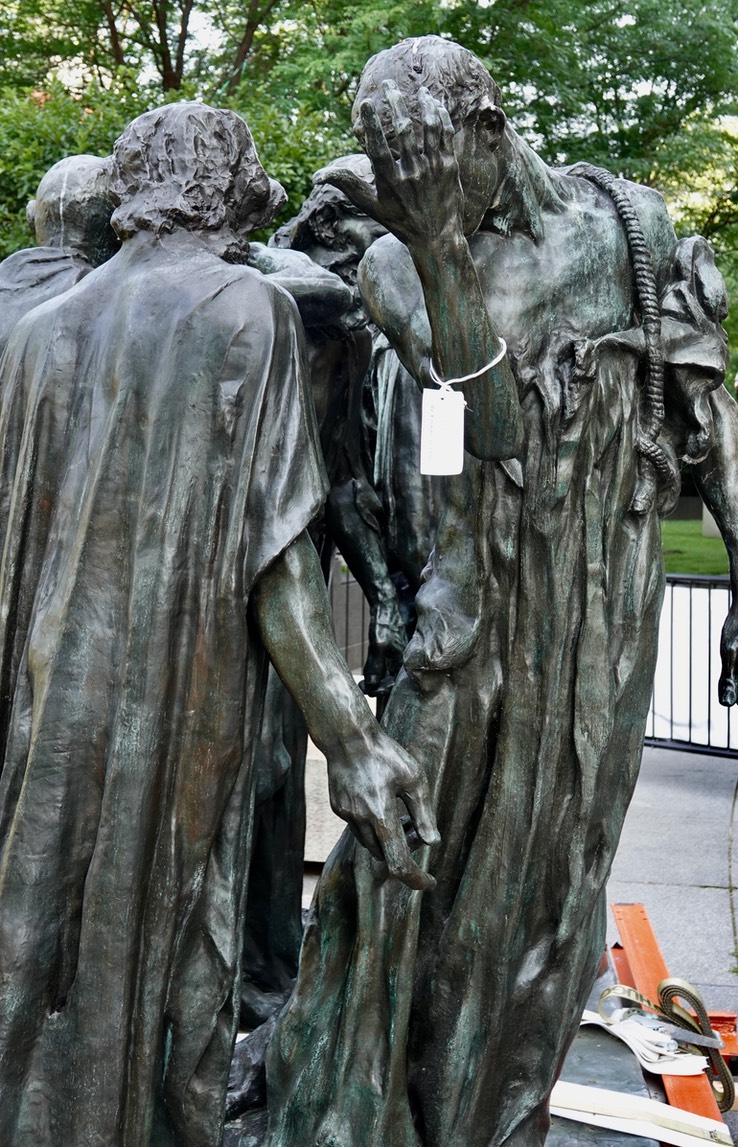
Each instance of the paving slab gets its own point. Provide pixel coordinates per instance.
(678, 856)
(323, 827)
(598, 1059)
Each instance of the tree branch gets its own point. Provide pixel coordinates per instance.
(254, 18)
(115, 42)
(186, 9)
(147, 38)
(168, 76)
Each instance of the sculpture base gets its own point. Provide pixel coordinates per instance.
(599, 1060)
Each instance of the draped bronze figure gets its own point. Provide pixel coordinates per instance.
(159, 467)
(442, 1020)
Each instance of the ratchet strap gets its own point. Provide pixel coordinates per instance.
(636, 1115)
(690, 1030)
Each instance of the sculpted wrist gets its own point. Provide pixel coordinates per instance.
(354, 735)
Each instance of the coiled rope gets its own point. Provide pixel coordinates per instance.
(651, 417)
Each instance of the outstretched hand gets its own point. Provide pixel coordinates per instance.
(418, 194)
(365, 791)
(728, 684)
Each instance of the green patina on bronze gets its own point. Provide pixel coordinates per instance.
(442, 1020)
(159, 467)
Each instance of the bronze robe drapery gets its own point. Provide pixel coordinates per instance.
(443, 1020)
(31, 277)
(158, 453)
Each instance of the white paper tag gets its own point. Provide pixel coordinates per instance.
(442, 432)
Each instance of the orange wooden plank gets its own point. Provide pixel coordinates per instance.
(620, 962)
(724, 1023)
(648, 969)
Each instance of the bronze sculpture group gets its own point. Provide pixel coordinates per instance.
(160, 467)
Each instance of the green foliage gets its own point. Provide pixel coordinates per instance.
(298, 86)
(36, 131)
(614, 81)
(292, 144)
(35, 38)
(637, 86)
(622, 83)
(318, 50)
(646, 88)
(702, 193)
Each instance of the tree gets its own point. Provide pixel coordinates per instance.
(615, 82)
(167, 43)
(619, 82)
(641, 87)
(707, 203)
(37, 130)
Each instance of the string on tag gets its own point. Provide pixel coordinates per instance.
(442, 422)
(446, 384)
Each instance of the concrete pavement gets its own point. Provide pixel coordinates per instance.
(678, 856)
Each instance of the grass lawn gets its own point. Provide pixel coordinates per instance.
(686, 551)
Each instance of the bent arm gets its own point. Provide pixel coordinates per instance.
(321, 297)
(443, 318)
(717, 482)
(419, 199)
(367, 770)
(463, 341)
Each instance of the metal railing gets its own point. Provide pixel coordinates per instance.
(685, 711)
(350, 614)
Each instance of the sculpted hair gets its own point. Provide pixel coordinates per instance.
(190, 165)
(451, 73)
(74, 190)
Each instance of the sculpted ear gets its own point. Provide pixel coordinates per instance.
(31, 215)
(493, 120)
(324, 224)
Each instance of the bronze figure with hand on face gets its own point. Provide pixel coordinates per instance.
(527, 681)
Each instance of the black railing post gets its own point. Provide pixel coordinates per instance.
(696, 693)
(699, 685)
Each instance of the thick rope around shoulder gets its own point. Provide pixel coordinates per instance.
(652, 418)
